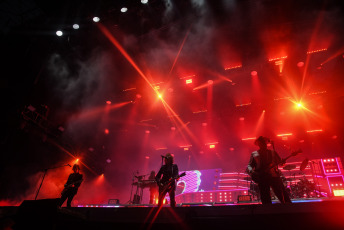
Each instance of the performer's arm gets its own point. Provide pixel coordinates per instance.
(175, 171)
(251, 164)
(158, 176)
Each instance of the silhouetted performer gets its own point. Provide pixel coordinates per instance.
(153, 188)
(71, 187)
(167, 184)
(263, 168)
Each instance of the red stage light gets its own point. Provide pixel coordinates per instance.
(106, 131)
(284, 134)
(138, 96)
(188, 81)
(231, 149)
(211, 146)
(210, 82)
(248, 138)
(147, 131)
(241, 118)
(254, 73)
(108, 102)
(300, 64)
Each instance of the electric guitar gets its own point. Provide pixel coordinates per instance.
(167, 185)
(256, 176)
(71, 185)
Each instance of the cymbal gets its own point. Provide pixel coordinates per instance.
(289, 167)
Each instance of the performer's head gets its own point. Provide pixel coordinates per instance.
(261, 142)
(169, 157)
(76, 168)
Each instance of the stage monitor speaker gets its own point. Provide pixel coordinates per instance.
(37, 214)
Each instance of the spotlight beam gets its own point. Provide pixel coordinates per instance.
(179, 51)
(168, 109)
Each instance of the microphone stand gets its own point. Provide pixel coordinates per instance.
(45, 172)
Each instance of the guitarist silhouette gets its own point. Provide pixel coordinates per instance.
(167, 183)
(263, 169)
(71, 187)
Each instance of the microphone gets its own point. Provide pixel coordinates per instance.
(69, 165)
(163, 156)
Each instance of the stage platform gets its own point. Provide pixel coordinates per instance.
(326, 213)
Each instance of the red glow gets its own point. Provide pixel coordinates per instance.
(147, 132)
(233, 67)
(106, 131)
(211, 146)
(210, 82)
(248, 138)
(254, 73)
(284, 134)
(138, 96)
(240, 105)
(300, 64)
(241, 118)
(188, 81)
(314, 131)
(108, 102)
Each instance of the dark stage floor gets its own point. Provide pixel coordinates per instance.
(302, 214)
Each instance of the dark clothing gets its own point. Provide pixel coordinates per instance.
(71, 188)
(167, 184)
(265, 163)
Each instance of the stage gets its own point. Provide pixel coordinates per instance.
(324, 213)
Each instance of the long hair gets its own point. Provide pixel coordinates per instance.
(169, 158)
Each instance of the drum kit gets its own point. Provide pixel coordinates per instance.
(297, 188)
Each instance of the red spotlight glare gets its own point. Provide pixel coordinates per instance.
(108, 102)
(204, 124)
(334, 137)
(212, 146)
(210, 82)
(241, 118)
(138, 96)
(147, 131)
(284, 134)
(106, 131)
(248, 138)
(159, 95)
(188, 81)
(254, 73)
(173, 128)
(300, 64)
(147, 157)
(231, 149)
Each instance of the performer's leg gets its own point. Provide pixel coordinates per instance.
(70, 198)
(172, 194)
(63, 198)
(264, 191)
(161, 197)
(279, 190)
